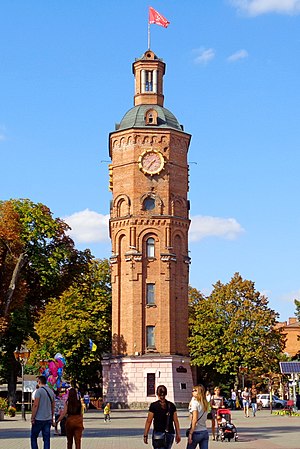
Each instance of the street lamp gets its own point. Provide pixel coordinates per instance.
(22, 355)
(243, 370)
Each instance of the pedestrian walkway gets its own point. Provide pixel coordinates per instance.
(125, 431)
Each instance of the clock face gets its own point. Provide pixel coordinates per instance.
(151, 162)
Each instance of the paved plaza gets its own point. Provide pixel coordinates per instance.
(125, 431)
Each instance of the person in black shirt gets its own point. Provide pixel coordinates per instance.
(164, 416)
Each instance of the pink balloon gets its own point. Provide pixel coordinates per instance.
(51, 379)
(53, 368)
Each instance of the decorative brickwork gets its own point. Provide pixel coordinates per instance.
(149, 223)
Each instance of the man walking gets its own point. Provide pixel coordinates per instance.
(233, 400)
(42, 414)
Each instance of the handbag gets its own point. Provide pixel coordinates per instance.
(209, 415)
(159, 439)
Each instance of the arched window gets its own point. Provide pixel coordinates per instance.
(149, 81)
(150, 245)
(149, 203)
(151, 117)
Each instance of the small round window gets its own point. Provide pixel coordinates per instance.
(149, 203)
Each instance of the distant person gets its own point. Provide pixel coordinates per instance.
(298, 401)
(208, 398)
(216, 402)
(74, 423)
(86, 400)
(246, 401)
(163, 413)
(253, 400)
(208, 395)
(58, 409)
(106, 412)
(33, 394)
(233, 399)
(42, 414)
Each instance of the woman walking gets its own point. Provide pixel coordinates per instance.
(198, 434)
(74, 423)
(246, 400)
(216, 402)
(164, 416)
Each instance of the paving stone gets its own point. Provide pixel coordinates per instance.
(125, 431)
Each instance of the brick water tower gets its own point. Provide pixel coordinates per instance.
(149, 223)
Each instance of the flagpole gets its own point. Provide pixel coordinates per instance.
(148, 35)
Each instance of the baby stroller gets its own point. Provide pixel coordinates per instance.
(226, 430)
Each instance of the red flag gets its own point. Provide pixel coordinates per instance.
(158, 19)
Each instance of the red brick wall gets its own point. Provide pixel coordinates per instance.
(130, 226)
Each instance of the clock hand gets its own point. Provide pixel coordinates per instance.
(151, 163)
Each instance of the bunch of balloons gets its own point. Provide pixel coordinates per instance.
(53, 371)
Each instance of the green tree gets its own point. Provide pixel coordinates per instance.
(37, 261)
(81, 313)
(234, 327)
(297, 313)
(297, 304)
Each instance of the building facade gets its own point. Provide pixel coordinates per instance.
(149, 223)
(291, 331)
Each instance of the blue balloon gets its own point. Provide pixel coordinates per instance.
(59, 372)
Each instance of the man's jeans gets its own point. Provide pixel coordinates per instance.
(36, 428)
(254, 408)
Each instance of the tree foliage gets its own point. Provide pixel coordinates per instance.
(37, 257)
(80, 313)
(38, 260)
(297, 313)
(234, 327)
(297, 304)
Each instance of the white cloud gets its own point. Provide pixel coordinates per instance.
(204, 226)
(241, 54)
(258, 7)
(290, 297)
(204, 55)
(88, 226)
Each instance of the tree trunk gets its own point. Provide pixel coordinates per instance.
(12, 380)
(14, 279)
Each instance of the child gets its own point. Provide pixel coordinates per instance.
(106, 412)
(221, 420)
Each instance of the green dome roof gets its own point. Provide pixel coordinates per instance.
(135, 118)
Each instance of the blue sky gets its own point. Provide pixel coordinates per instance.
(232, 80)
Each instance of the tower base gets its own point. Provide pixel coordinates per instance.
(131, 382)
